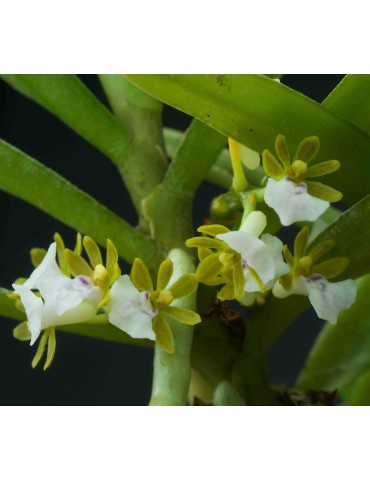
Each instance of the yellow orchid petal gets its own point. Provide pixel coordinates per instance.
(163, 334)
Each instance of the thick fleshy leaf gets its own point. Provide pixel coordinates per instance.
(351, 233)
(347, 101)
(51, 193)
(68, 98)
(248, 108)
(341, 352)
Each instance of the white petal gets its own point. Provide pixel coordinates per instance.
(130, 310)
(34, 308)
(249, 157)
(329, 299)
(79, 314)
(299, 287)
(255, 223)
(255, 254)
(292, 202)
(66, 293)
(274, 247)
(48, 267)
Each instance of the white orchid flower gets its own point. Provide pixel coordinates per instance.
(262, 259)
(290, 190)
(63, 300)
(130, 310)
(292, 202)
(327, 298)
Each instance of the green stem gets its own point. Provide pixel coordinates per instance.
(144, 164)
(172, 371)
(169, 207)
(263, 327)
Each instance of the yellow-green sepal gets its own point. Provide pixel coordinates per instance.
(300, 242)
(213, 230)
(323, 168)
(226, 292)
(111, 258)
(93, 252)
(60, 253)
(165, 272)
(140, 276)
(37, 256)
(164, 337)
(209, 268)
(282, 151)
(197, 242)
(184, 286)
(22, 332)
(78, 246)
(272, 166)
(76, 264)
(52, 345)
(307, 149)
(183, 315)
(238, 280)
(318, 251)
(331, 268)
(319, 190)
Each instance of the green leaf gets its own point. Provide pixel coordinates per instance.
(26, 178)
(349, 101)
(67, 97)
(249, 108)
(351, 233)
(358, 393)
(342, 352)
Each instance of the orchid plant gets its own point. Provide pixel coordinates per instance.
(206, 353)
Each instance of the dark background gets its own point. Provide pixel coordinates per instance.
(87, 371)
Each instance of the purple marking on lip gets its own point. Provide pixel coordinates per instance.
(300, 188)
(316, 277)
(244, 263)
(146, 295)
(83, 280)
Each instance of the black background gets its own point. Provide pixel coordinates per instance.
(87, 371)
